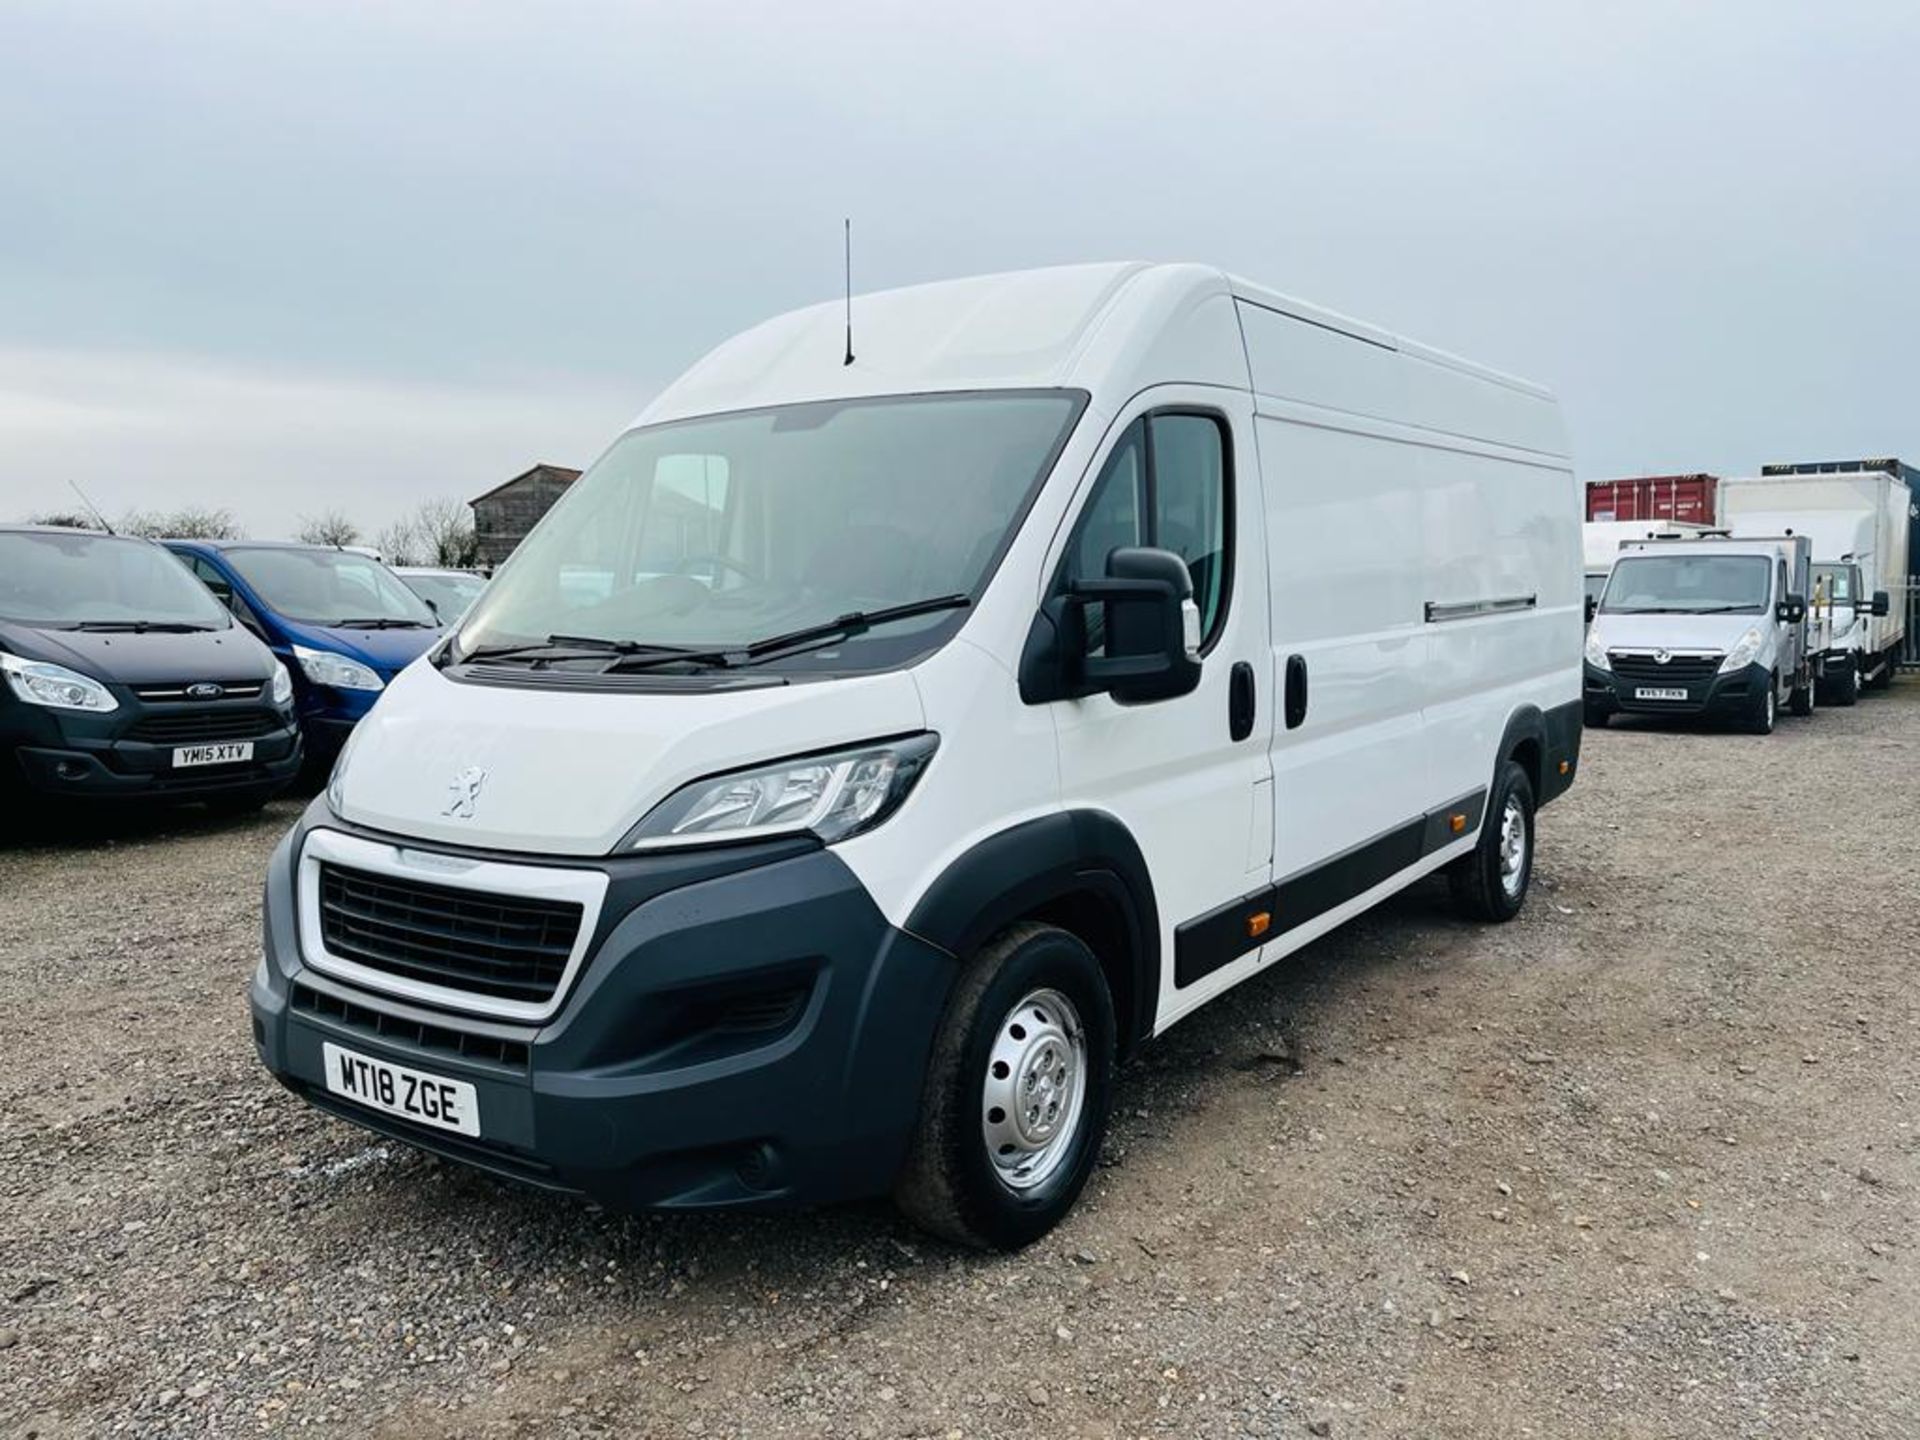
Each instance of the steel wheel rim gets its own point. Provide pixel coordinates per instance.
(1035, 1089)
(1772, 702)
(1513, 845)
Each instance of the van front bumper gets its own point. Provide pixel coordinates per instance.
(746, 1031)
(1719, 695)
(85, 756)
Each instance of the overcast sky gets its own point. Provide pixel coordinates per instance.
(287, 257)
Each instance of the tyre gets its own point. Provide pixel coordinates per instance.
(1595, 717)
(1800, 698)
(1017, 1093)
(1843, 684)
(1761, 711)
(1490, 882)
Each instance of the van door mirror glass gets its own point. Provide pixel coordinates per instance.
(1881, 603)
(1150, 638)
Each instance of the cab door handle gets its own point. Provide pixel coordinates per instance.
(1240, 701)
(1296, 698)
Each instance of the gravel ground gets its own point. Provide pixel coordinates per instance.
(1642, 1163)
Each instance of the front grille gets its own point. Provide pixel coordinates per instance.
(229, 690)
(1678, 671)
(504, 946)
(377, 1024)
(196, 727)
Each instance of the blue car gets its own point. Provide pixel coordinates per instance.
(341, 622)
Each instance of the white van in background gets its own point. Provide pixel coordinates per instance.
(1600, 542)
(1716, 625)
(1858, 525)
(972, 697)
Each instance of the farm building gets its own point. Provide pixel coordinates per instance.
(503, 516)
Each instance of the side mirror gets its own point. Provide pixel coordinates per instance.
(1152, 630)
(1593, 607)
(1134, 635)
(1880, 604)
(1791, 611)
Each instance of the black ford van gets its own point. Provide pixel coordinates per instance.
(122, 678)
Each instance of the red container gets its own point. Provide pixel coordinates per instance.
(1688, 498)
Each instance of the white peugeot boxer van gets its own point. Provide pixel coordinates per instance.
(869, 752)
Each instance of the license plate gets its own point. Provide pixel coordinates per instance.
(233, 752)
(410, 1094)
(1646, 693)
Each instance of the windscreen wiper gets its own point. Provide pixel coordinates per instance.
(587, 647)
(381, 623)
(847, 626)
(142, 627)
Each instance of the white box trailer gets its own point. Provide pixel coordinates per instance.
(1858, 525)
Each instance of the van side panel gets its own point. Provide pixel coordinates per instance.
(1502, 558)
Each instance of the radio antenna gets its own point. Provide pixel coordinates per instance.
(848, 223)
(91, 506)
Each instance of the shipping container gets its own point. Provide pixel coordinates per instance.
(1686, 498)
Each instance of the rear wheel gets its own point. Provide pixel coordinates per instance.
(1490, 882)
(1017, 1093)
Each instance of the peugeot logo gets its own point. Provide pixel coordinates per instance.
(1661, 657)
(206, 691)
(463, 792)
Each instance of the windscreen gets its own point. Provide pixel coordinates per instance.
(328, 587)
(448, 593)
(1833, 584)
(64, 581)
(719, 532)
(1688, 585)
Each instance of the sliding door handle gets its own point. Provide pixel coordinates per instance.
(1296, 701)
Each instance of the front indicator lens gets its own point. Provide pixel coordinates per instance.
(40, 682)
(833, 796)
(1597, 653)
(1743, 652)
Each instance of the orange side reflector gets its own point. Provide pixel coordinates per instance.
(1458, 822)
(1565, 765)
(1259, 924)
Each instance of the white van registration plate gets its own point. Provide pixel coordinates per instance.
(233, 752)
(410, 1094)
(1647, 693)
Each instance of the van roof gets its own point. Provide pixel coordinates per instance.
(1109, 328)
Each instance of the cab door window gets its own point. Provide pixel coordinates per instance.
(1166, 484)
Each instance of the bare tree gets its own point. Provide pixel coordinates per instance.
(400, 544)
(190, 522)
(445, 531)
(329, 527)
(65, 520)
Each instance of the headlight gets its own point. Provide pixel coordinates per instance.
(281, 691)
(834, 796)
(323, 667)
(1596, 653)
(1744, 649)
(39, 682)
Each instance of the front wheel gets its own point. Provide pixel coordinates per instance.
(1800, 698)
(1843, 684)
(1490, 882)
(1762, 710)
(1595, 717)
(1017, 1093)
